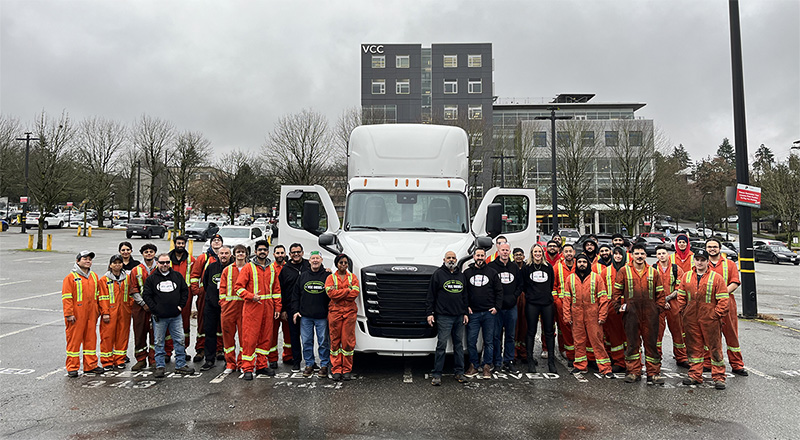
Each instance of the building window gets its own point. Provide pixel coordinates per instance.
(635, 138)
(378, 86)
(587, 139)
(403, 87)
(474, 86)
(378, 114)
(450, 112)
(401, 62)
(378, 61)
(476, 191)
(474, 61)
(475, 112)
(540, 139)
(612, 138)
(477, 139)
(476, 166)
(450, 86)
(450, 61)
(563, 139)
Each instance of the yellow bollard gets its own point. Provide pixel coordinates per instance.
(90, 230)
(49, 242)
(171, 243)
(169, 238)
(79, 231)
(30, 241)
(190, 247)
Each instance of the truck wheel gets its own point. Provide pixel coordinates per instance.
(128, 234)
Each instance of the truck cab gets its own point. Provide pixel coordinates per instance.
(406, 206)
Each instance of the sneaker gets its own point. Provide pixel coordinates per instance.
(683, 364)
(337, 377)
(229, 370)
(139, 366)
(689, 381)
(347, 376)
(264, 372)
(207, 366)
(72, 373)
(487, 371)
(460, 378)
(160, 372)
(511, 368)
(308, 371)
(273, 365)
(578, 370)
(323, 372)
(436, 381)
(187, 370)
(609, 376)
(200, 355)
(248, 375)
(296, 367)
(497, 368)
(220, 355)
(741, 372)
(127, 359)
(95, 370)
(120, 366)
(108, 368)
(649, 380)
(719, 385)
(315, 367)
(631, 378)
(471, 371)
(543, 355)
(658, 379)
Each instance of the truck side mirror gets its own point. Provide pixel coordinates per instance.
(311, 215)
(327, 239)
(483, 243)
(494, 219)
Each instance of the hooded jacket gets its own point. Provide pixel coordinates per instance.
(447, 293)
(211, 281)
(511, 281)
(538, 284)
(308, 294)
(483, 288)
(164, 293)
(288, 278)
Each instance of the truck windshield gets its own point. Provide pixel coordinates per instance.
(406, 210)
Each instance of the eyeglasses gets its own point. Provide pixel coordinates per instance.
(163, 262)
(296, 252)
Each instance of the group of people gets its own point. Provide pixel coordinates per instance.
(606, 302)
(241, 301)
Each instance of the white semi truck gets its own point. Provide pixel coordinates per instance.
(406, 206)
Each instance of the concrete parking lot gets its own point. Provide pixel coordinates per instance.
(391, 397)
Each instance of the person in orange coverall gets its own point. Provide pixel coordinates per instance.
(730, 324)
(562, 270)
(258, 285)
(585, 306)
(703, 303)
(115, 305)
(613, 330)
(231, 306)
(79, 295)
(671, 275)
(342, 288)
(639, 296)
(279, 256)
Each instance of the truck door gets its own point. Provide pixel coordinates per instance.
(290, 218)
(519, 216)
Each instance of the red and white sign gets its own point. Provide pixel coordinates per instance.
(505, 217)
(747, 195)
(23, 200)
(69, 203)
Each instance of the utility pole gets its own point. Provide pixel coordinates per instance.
(27, 140)
(502, 168)
(746, 263)
(138, 186)
(552, 119)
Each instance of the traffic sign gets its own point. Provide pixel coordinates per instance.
(747, 195)
(23, 199)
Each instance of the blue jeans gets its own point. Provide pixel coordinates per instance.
(307, 328)
(481, 321)
(175, 326)
(449, 326)
(504, 347)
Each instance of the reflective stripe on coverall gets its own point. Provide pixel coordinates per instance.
(613, 330)
(672, 316)
(79, 295)
(257, 316)
(585, 304)
(702, 304)
(115, 301)
(342, 320)
(644, 296)
(565, 339)
(730, 323)
(231, 316)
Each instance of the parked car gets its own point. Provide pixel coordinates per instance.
(663, 225)
(244, 235)
(775, 253)
(201, 231)
(50, 220)
(729, 253)
(570, 236)
(145, 227)
(658, 235)
(766, 241)
(650, 244)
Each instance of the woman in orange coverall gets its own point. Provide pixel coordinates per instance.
(342, 287)
(115, 306)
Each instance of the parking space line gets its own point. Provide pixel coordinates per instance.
(33, 309)
(14, 282)
(407, 378)
(32, 328)
(45, 376)
(30, 297)
(219, 378)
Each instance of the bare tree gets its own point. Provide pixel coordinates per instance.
(781, 187)
(233, 179)
(12, 157)
(152, 136)
(298, 149)
(52, 169)
(576, 153)
(100, 142)
(190, 152)
(126, 178)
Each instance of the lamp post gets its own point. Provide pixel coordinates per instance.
(703, 211)
(138, 185)
(27, 140)
(502, 168)
(552, 119)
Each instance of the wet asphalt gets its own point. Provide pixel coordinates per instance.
(391, 397)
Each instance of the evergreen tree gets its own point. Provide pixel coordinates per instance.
(726, 152)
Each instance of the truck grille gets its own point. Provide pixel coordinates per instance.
(394, 300)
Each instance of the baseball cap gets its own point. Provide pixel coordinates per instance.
(701, 253)
(85, 253)
(115, 257)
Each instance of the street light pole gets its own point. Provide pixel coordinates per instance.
(502, 168)
(27, 140)
(138, 185)
(552, 119)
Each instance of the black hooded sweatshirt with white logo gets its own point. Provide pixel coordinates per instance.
(484, 288)
(511, 281)
(163, 294)
(309, 297)
(447, 293)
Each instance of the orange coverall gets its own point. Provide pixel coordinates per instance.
(257, 316)
(672, 316)
(644, 298)
(565, 339)
(613, 330)
(142, 328)
(343, 291)
(276, 325)
(686, 264)
(585, 304)
(231, 316)
(730, 323)
(79, 295)
(115, 301)
(703, 304)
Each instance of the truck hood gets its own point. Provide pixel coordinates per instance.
(387, 247)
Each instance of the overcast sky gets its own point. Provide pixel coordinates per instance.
(230, 69)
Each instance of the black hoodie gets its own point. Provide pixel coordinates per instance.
(288, 278)
(510, 279)
(308, 296)
(163, 294)
(211, 278)
(484, 289)
(447, 293)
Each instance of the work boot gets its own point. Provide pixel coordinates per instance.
(160, 372)
(200, 355)
(577, 370)
(657, 379)
(471, 371)
(120, 366)
(741, 372)
(262, 372)
(347, 376)
(689, 381)
(248, 375)
(207, 366)
(631, 378)
(551, 365)
(609, 376)
(337, 377)
(108, 368)
(95, 370)
(436, 381)
(273, 365)
(73, 373)
(460, 378)
(706, 369)
(220, 355)
(683, 364)
(187, 370)
(296, 367)
(719, 385)
(323, 372)
(308, 371)
(139, 366)
(487, 371)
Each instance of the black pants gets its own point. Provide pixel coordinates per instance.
(547, 314)
(211, 321)
(294, 335)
